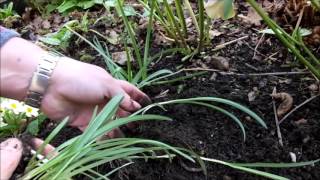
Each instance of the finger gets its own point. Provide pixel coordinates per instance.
(82, 116)
(48, 150)
(11, 152)
(129, 104)
(115, 133)
(82, 128)
(135, 93)
(122, 113)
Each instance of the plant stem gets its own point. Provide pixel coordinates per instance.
(278, 31)
(131, 34)
(181, 18)
(174, 23)
(201, 22)
(316, 4)
(168, 26)
(147, 46)
(129, 69)
(194, 19)
(306, 49)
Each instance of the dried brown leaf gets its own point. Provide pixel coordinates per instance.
(286, 104)
(252, 17)
(121, 57)
(218, 62)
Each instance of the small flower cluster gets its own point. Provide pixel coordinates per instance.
(16, 109)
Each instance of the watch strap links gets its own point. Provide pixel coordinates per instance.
(40, 79)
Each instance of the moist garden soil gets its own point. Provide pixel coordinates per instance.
(212, 134)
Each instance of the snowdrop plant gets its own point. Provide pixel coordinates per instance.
(83, 154)
(15, 116)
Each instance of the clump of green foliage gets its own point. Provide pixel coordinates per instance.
(173, 20)
(61, 39)
(17, 118)
(7, 11)
(138, 76)
(63, 6)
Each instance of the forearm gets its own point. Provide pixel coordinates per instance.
(19, 59)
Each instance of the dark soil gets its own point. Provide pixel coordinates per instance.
(211, 134)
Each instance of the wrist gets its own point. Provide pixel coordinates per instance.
(40, 80)
(19, 60)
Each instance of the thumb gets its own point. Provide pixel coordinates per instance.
(10, 152)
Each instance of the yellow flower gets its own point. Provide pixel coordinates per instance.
(13, 105)
(30, 111)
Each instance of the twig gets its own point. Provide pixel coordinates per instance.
(221, 46)
(249, 74)
(255, 51)
(252, 67)
(258, 44)
(276, 118)
(271, 56)
(297, 107)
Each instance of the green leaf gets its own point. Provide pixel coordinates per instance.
(34, 126)
(302, 31)
(129, 11)
(66, 5)
(220, 9)
(278, 165)
(86, 4)
(50, 40)
(110, 3)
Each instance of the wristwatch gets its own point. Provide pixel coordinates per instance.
(40, 79)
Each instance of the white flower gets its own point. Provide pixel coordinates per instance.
(13, 105)
(30, 111)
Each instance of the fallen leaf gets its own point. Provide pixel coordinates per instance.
(286, 103)
(121, 57)
(112, 37)
(36, 23)
(219, 62)
(313, 87)
(46, 24)
(214, 33)
(253, 94)
(189, 22)
(143, 24)
(220, 9)
(252, 17)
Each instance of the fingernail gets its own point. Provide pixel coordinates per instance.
(136, 105)
(145, 101)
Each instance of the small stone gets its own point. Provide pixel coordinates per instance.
(226, 177)
(293, 157)
(306, 139)
(313, 87)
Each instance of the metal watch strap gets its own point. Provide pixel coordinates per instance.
(40, 79)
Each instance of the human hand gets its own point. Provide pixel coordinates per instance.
(76, 88)
(11, 152)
